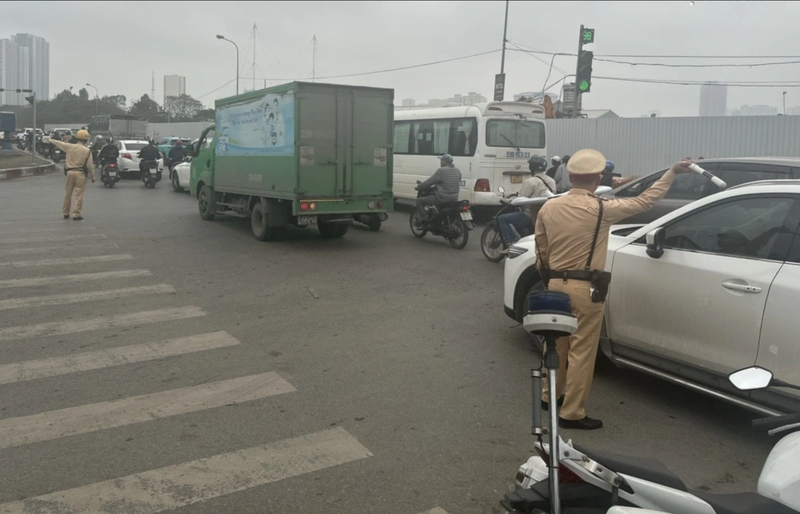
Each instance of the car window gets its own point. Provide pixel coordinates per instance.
(744, 227)
(636, 188)
(688, 186)
(209, 140)
(733, 175)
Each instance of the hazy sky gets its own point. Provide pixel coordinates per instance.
(107, 44)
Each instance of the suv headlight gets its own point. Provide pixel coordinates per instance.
(515, 251)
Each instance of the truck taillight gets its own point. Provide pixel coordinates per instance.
(379, 205)
(126, 155)
(482, 185)
(371, 205)
(303, 206)
(312, 206)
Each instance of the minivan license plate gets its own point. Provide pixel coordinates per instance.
(516, 179)
(466, 215)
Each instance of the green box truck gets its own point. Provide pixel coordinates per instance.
(298, 154)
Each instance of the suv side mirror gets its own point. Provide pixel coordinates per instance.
(655, 243)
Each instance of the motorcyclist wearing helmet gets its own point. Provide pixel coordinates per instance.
(176, 154)
(446, 180)
(148, 154)
(108, 152)
(608, 175)
(538, 186)
(77, 166)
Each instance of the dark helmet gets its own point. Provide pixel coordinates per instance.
(609, 166)
(537, 163)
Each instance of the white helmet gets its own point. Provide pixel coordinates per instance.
(556, 158)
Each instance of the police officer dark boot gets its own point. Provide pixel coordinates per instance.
(66, 216)
(559, 402)
(586, 423)
(79, 218)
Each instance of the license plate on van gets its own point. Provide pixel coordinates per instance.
(516, 179)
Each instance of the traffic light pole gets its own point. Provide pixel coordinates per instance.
(576, 100)
(33, 141)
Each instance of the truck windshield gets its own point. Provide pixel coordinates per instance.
(515, 134)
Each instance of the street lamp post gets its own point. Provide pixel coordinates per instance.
(237, 59)
(96, 97)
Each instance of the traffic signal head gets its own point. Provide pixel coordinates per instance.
(587, 36)
(29, 99)
(583, 77)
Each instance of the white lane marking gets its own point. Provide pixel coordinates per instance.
(200, 480)
(89, 296)
(138, 409)
(99, 359)
(67, 260)
(50, 239)
(68, 279)
(28, 230)
(113, 321)
(60, 249)
(437, 510)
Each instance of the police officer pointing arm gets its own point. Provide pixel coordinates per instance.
(78, 165)
(571, 242)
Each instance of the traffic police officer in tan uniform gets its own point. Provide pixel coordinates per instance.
(77, 165)
(571, 242)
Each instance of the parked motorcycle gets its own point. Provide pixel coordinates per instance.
(453, 221)
(592, 479)
(109, 174)
(152, 176)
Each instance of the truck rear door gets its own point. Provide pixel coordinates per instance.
(323, 156)
(372, 137)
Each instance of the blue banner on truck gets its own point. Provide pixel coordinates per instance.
(264, 126)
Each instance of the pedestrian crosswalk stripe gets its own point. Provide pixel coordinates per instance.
(437, 510)
(19, 240)
(68, 279)
(68, 260)
(200, 480)
(28, 230)
(89, 296)
(61, 248)
(99, 359)
(114, 321)
(138, 409)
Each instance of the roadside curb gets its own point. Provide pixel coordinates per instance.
(31, 171)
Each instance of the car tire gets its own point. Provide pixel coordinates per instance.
(176, 183)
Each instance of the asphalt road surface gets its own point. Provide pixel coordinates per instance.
(150, 360)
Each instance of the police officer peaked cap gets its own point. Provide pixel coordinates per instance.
(586, 162)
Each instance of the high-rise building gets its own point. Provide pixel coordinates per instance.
(35, 58)
(174, 85)
(713, 99)
(409, 102)
(19, 71)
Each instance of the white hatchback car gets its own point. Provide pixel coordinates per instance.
(128, 162)
(703, 291)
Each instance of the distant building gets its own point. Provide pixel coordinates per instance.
(24, 64)
(471, 98)
(174, 85)
(793, 111)
(409, 102)
(755, 110)
(713, 99)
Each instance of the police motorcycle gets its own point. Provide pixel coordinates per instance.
(452, 220)
(597, 480)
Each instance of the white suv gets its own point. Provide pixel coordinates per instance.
(705, 290)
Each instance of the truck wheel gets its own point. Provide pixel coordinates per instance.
(374, 223)
(206, 203)
(331, 231)
(258, 222)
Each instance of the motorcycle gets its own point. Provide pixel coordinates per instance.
(591, 479)
(453, 221)
(152, 176)
(109, 174)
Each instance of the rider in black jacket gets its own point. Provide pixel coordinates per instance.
(108, 153)
(148, 154)
(176, 154)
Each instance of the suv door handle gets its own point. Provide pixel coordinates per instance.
(741, 287)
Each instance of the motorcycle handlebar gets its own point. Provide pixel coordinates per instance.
(765, 424)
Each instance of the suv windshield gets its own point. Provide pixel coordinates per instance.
(515, 134)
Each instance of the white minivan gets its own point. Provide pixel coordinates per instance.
(490, 143)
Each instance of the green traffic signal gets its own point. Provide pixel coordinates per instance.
(587, 36)
(584, 85)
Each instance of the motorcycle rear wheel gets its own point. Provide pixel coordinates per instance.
(492, 243)
(460, 228)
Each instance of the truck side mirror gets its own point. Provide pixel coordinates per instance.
(655, 243)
